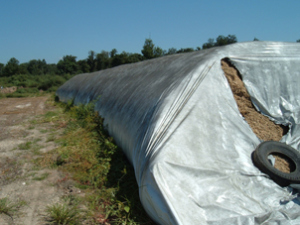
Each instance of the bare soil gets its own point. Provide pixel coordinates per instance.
(262, 126)
(20, 179)
(8, 90)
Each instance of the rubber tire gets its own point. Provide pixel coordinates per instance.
(260, 160)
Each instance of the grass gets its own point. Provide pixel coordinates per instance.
(9, 207)
(10, 170)
(37, 140)
(25, 146)
(33, 122)
(96, 164)
(31, 145)
(63, 214)
(41, 177)
(50, 138)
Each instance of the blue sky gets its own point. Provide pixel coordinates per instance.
(50, 29)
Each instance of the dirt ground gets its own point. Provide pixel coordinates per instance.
(20, 180)
(262, 126)
(8, 90)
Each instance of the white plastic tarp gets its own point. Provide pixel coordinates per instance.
(177, 121)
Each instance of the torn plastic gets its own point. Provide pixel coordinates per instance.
(177, 121)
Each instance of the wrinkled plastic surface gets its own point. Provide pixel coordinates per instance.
(177, 121)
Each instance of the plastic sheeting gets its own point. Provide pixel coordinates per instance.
(177, 121)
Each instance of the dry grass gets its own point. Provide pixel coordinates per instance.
(10, 170)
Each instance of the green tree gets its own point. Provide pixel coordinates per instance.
(231, 39)
(83, 66)
(255, 39)
(221, 40)
(209, 44)
(183, 50)
(11, 68)
(67, 65)
(102, 60)
(158, 52)
(125, 57)
(134, 57)
(171, 51)
(1, 69)
(298, 40)
(23, 68)
(37, 67)
(113, 52)
(149, 50)
(119, 59)
(51, 68)
(91, 60)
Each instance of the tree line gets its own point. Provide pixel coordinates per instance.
(103, 60)
(99, 61)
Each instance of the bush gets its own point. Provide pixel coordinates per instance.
(49, 81)
(33, 83)
(27, 90)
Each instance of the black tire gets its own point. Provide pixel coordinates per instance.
(260, 160)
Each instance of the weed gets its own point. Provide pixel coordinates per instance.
(36, 149)
(41, 177)
(9, 169)
(36, 140)
(33, 122)
(25, 146)
(51, 116)
(50, 138)
(10, 208)
(46, 161)
(32, 174)
(63, 214)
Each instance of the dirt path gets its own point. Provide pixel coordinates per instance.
(20, 143)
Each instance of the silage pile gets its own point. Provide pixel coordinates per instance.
(262, 126)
